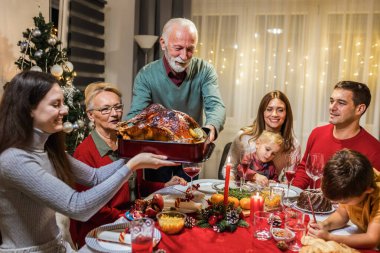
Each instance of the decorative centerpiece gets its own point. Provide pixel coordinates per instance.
(221, 217)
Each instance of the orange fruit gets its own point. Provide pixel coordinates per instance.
(245, 203)
(217, 198)
(233, 200)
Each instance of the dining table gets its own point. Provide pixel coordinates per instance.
(196, 239)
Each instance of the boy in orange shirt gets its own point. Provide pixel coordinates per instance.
(350, 180)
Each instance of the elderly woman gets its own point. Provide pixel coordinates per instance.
(275, 115)
(104, 110)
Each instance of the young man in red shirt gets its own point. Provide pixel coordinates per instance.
(348, 102)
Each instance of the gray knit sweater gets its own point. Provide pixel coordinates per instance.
(31, 193)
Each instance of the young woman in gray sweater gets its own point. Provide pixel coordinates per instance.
(36, 175)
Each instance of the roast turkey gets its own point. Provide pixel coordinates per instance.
(160, 124)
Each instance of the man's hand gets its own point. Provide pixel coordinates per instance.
(212, 132)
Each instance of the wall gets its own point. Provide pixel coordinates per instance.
(119, 47)
(15, 17)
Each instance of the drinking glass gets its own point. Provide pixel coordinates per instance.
(142, 235)
(290, 171)
(192, 170)
(262, 225)
(272, 202)
(314, 167)
(298, 227)
(246, 161)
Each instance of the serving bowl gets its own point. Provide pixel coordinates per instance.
(171, 222)
(282, 234)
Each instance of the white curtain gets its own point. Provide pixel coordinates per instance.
(301, 47)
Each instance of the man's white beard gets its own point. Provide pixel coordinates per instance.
(172, 63)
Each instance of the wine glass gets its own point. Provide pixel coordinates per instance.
(314, 167)
(290, 171)
(192, 170)
(245, 163)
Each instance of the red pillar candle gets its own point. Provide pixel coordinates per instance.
(257, 204)
(227, 181)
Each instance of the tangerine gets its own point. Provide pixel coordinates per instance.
(245, 203)
(233, 200)
(217, 198)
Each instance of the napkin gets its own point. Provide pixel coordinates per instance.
(114, 236)
(189, 205)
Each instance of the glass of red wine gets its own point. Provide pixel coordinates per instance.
(192, 170)
(243, 166)
(290, 171)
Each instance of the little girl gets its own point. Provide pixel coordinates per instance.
(257, 165)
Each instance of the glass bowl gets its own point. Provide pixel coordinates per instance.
(282, 234)
(171, 222)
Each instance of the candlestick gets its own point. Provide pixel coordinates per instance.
(257, 204)
(227, 181)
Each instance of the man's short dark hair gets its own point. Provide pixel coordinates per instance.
(346, 175)
(360, 91)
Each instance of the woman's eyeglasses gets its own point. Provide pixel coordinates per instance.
(107, 109)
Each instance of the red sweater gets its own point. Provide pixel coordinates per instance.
(321, 140)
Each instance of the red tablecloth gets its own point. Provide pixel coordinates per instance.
(206, 240)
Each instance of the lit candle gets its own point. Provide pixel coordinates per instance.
(257, 204)
(227, 180)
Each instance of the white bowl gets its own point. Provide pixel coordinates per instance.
(282, 234)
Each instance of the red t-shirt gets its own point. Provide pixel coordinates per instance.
(321, 140)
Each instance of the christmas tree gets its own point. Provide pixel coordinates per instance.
(42, 51)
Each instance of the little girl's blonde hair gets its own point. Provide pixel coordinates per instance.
(268, 136)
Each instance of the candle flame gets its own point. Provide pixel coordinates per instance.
(257, 194)
(228, 159)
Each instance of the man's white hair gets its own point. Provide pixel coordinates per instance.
(183, 22)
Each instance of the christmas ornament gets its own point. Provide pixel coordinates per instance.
(56, 70)
(36, 32)
(80, 123)
(36, 68)
(38, 53)
(75, 125)
(23, 45)
(66, 108)
(67, 127)
(91, 125)
(52, 41)
(68, 66)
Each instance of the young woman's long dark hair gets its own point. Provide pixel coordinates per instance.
(258, 125)
(23, 94)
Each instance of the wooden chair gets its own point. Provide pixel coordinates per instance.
(223, 159)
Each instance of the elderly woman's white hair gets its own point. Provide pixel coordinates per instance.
(182, 22)
(94, 89)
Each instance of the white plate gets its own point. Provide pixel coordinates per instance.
(205, 185)
(113, 247)
(308, 211)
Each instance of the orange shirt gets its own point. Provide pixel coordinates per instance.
(368, 210)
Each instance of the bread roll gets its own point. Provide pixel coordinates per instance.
(317, 245)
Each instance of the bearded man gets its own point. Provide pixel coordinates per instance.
(181, 82)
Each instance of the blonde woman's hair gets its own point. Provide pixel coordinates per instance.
(268, 136)
(94, 89)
